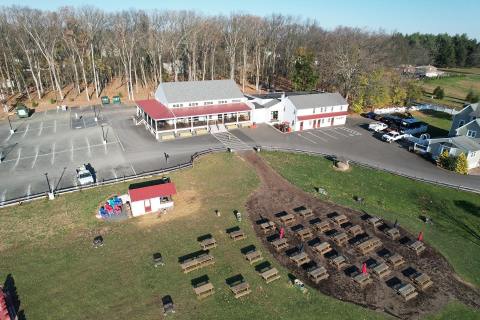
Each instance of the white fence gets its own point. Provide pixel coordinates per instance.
(414, 108)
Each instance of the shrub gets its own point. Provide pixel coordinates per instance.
(461, 164)
(34, 104)
(439, 93)
(120, 95)
(446, 161)
(52, 101)
(472, 97)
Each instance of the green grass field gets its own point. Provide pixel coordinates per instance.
(46, 248)
(439, 123)
(456, 88)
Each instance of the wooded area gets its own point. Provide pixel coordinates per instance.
(84, 49)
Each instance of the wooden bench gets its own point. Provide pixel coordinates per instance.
(340, 238)
(323, 248)
(417, 247)
(304, 234)
(287, 219)
(280, 244)
(270, 275)
(323, 226)
(395, 260)
(407, 292)
(306, 213)
(339, 220)
(253, 256)
(368, 246)
(339, 262)
(238, 235)
(209, 243)
(382, 270)
(204, 290)
(375, 222)
(422, 281)
(362, 279)
(241, 289)
(393, 233)
(355, 230)
(318, 274)
(197, 263)
(266, 227)
(300, 258)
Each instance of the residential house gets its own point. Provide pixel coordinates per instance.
(428, 71)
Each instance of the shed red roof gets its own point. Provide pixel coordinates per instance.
(158, 111)
(322, 115)
(155, 191)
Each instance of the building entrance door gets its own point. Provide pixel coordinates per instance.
(147, 205)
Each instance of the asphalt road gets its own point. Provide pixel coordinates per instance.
(57, 142)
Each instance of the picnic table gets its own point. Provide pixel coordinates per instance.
(362, 279)
(368, 245)
(395, 260)
(422, 281)
(323, 226)
(340, 238)
(208, 243)
(304, 212)
(375, 222)
(355, 230)
(318, 274)
(241, 289)
(237, 235)
(382, 270)
(323, 248)
(393, 233)
(407, 291)
(417, 247)
(280, 244)
(304, 234)
(204, 290)
(287, 219)
(270, 275)
(300, 258)
(339, 262)
(197, 263)
(340, 219)
(253, 256)
(267, 226)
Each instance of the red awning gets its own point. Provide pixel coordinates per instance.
(155, 109)
(150, 192)
(322, 115)
(158, 111)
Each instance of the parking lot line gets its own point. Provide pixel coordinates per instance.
(55, 126)
(29, 187)
(26, 129)
(114, 173)
(36, 156)
(327, 134)
(18, 159)
(340, 133)
(2, 197)
(134, 172)
(53, 153)
(307, 138)
(318, 137)
(41, 128)
(88, 146)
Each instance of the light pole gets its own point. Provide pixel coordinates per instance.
(51, 196)
(95, 111)
(10, 124)
(103, 135)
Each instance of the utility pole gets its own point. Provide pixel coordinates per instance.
(51, 196)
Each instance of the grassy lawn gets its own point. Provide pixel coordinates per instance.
(46, 247)
(439, 123)
(456, 214)
(456, 88)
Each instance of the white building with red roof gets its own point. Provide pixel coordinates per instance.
(151, 196)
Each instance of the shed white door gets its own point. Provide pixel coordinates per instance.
(147, 205)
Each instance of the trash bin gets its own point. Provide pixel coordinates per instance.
(105, 100)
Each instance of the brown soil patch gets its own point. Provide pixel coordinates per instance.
(186, 203)
(276, 194)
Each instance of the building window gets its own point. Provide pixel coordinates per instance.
(274, 115)
(313, 110)
(206, 103)
(461, 123)
(221, 102)
(471, 133)
(472, 154)
(193, 104)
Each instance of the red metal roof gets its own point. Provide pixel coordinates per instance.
(322, 115)
(155, 109)
(150, 192)
(158, 111)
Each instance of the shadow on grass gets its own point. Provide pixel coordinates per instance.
(469, 207)
(204, 237)
(262, 267)
(234, 280)
(248, 249)
(232, 229)
(192, 255)
(196, 282)
(13, 300)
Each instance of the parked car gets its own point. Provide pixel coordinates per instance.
(377, 126)
(413, 126)
(84, 176)
(392, 136)
(369, 115)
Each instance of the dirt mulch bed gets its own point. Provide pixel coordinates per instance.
(276, 194)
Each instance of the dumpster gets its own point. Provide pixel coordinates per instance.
(22, 111)
(105, 100)
(116, 99)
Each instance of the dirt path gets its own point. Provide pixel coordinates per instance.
(276, 195)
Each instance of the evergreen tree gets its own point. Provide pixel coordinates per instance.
(461, 164)
(304, 77)
(439, 93)
(472, 97)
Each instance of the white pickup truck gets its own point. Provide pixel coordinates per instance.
(392, 136)
(377, 126)
(84, 176)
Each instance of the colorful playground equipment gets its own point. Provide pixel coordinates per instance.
(113, 206)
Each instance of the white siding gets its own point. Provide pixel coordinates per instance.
(138, 207)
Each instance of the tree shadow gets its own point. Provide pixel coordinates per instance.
(13, 300)
(469, 207)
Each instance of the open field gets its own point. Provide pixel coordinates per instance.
(439, 123)
(456, 87)
(456, 229)
(46, 247)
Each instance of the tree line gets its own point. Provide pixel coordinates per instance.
(84, 49)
